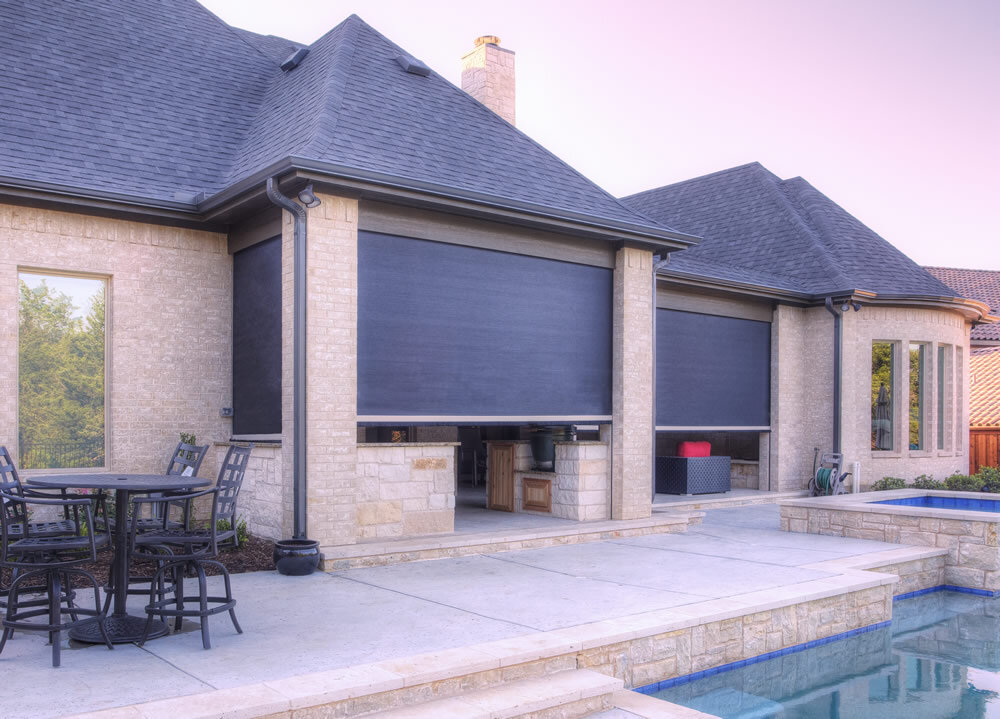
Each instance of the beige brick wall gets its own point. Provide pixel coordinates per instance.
(406, 489)
(331, 367)
(801, 393)
(632, 385)
(904, 325)
(169, 325)
(488, 75)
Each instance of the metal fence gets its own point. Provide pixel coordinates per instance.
(62, 455)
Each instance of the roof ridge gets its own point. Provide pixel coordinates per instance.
(791, 208)
(233, 31)
(344, 53)
(696, 179)
(960, 269)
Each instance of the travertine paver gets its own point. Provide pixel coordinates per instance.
(322, 623)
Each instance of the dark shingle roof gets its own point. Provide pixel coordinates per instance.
(982, 285)
(753, 223)
(160, 99)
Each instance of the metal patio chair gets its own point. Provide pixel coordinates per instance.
(192, 549)
(53, 559)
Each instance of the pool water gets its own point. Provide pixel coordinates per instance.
(977, 505)
(939, 658)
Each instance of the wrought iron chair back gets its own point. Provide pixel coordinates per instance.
(231, 474)
(10, 485)
(187, 459)
(16, 533)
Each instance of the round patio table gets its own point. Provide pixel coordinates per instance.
(122, 627)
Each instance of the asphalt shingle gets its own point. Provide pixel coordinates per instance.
(161, 100)
(779, 233)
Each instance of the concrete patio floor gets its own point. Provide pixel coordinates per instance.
(297, 625)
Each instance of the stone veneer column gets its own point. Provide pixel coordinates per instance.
(331, 367)
(632, 387)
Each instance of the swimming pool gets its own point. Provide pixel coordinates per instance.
(940, 657)
(939, 502)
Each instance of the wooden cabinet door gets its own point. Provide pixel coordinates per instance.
(500, 491)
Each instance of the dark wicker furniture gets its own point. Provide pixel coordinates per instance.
(693, 475)
(54, 560)
(192, 549)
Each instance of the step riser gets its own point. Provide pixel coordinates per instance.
(337, 564)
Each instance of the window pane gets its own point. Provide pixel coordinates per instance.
(917, 396)
(940, 396)
(60, 372)
(882, 390)
(962, 429)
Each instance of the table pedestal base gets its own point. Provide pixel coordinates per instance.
(122, 629)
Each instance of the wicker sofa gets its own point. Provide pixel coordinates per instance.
(693, 475)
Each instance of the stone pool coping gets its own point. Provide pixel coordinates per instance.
(969, 536)
(869, 502)
(634, 648)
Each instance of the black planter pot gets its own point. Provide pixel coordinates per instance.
(296, 557)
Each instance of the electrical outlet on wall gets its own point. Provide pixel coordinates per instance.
(226, 412)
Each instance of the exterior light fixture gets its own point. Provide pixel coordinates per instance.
(308, 198)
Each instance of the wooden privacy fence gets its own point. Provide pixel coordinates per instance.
(984, 448)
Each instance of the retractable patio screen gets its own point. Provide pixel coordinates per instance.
(712, 371)
(448, 333)
(257, 339)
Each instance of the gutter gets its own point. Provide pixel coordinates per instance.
(299, 356)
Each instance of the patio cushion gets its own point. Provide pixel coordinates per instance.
(694, 449)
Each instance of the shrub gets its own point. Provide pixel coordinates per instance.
(925, 481)
(990, 478)
(964, 483)
(889, 483)
(242, 531)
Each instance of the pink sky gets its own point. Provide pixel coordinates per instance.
(890, 107)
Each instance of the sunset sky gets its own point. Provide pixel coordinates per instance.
(890, 107)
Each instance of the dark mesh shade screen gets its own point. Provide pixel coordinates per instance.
(453, 331)
(257, 339)
(712, 371)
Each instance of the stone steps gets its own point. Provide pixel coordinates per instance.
(415, 549)
(632, 705)
(566, 695)
(702, 502)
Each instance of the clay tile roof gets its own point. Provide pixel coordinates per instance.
(982, 285)
(984, 400)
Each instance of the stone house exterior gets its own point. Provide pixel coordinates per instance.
(302, 245)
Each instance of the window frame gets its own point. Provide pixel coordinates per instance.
(921, 394)
(108, 359)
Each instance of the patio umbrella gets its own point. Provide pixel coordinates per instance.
(883, 420)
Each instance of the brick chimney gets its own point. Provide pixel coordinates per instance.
(488, 75)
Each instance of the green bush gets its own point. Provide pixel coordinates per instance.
(964, 483)
(926, 481)
(990, 478)
(242, 531)
(889, 483)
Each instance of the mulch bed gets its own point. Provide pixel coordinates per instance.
(254, 555)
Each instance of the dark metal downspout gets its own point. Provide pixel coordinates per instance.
(838, 331)
(299, 356)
